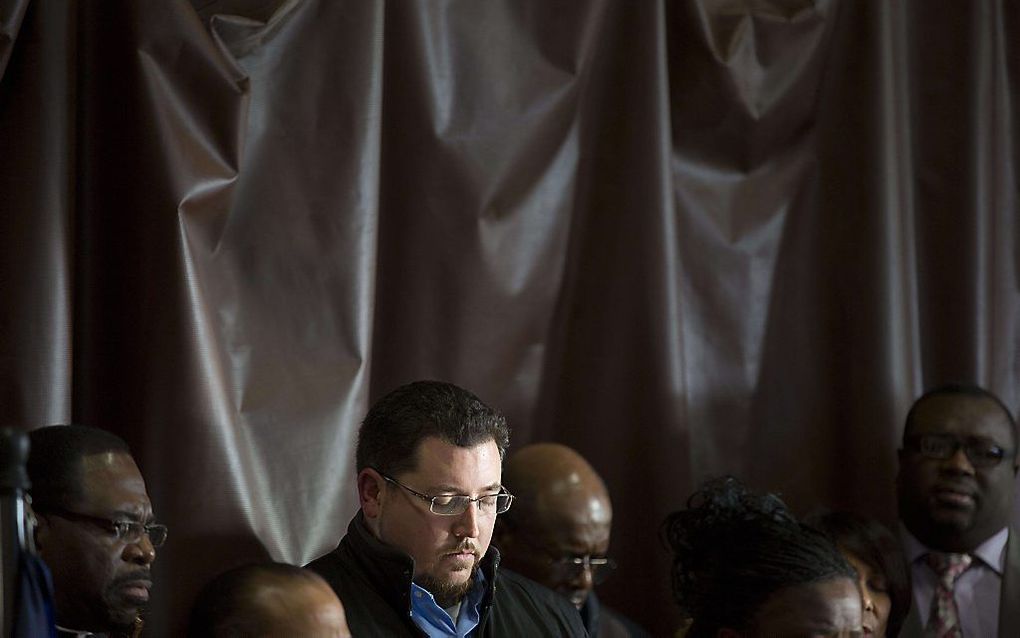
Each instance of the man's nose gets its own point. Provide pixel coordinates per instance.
(584, 577)
(467, 523)
(141, 552)
(959, 462)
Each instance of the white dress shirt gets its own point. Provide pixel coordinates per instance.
(976, 591)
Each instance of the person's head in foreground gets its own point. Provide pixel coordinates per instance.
(957, 468)
(429, 460)
(558, 532)
(882, 575)
(267, 600)
(96, 529)
(744, 566)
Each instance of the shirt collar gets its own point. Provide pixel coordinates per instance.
(435, 621)
(991, 552)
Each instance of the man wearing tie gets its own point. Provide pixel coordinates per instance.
(955, 489)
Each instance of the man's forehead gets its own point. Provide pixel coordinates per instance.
(445, 465)
(961, 414)
(112, 481)
(575, 539)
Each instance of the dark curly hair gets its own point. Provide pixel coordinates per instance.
(733, 549)
(870, 542)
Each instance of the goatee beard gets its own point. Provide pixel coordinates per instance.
(446, 593)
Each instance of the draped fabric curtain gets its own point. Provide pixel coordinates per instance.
(684, 237)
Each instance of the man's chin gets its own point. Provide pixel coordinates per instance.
(124, 622)
(123, 617)
(950, 520)
(577, 599)
(448, 588)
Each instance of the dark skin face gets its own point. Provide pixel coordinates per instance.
(100, 583)
(564, 512)
(949, 504)
(830, 608)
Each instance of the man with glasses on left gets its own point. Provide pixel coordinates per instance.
(95, 529)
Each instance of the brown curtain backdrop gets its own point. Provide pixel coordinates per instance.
(684, 237)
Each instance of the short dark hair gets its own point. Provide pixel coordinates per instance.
(55, 461)
(394, 427)
(225, 608)
(733, 549)
(967, 390)
(870, 542)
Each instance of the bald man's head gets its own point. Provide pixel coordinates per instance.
(269, 600)
(557, 532)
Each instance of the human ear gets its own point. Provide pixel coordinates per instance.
(370, 491)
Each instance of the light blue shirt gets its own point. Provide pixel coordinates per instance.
(433, 619)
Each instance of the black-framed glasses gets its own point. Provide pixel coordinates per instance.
(981, 453)
(129, 532)
(457, 504)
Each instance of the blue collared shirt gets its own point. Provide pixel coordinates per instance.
(433, 619)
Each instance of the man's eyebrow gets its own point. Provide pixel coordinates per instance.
(133, 516)
(450, 489)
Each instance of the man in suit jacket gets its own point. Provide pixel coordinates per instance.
(955, 489)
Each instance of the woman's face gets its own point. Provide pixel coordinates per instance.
(875, 598)
(830, 608)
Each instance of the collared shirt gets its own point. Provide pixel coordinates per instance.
(976, 591)
(436, 622)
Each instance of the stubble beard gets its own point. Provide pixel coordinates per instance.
(446, 592)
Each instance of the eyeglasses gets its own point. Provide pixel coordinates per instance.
(457, 504)
(980, 452)
(570, 567)
(129, 532)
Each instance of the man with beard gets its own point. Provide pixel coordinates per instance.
(416, 559)
(558, 531)
(955, 489)
(95, 529)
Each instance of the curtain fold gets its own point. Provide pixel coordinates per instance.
(685, 238)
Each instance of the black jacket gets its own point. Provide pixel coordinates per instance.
(373, 580)
(603, 622)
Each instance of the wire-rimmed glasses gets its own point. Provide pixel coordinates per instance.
(457, 504)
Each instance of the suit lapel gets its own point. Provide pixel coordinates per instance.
(913, 626)
(1009, 600)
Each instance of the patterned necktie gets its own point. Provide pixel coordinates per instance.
(944, 621)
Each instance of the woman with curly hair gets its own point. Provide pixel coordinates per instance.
(744, 566)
